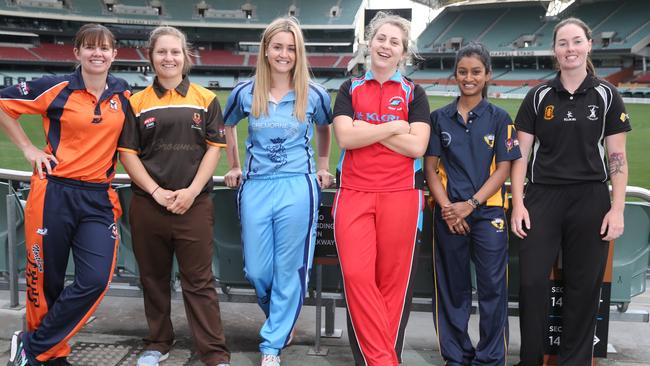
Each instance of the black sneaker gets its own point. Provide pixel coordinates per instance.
(17, 356)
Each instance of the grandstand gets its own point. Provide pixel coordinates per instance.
(519, 36)
(40, 32)
(225, 35)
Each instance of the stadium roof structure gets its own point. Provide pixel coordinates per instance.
(253, 14)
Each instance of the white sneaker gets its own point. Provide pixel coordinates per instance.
(270, 360)
(151, 358)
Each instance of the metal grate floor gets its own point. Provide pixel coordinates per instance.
(102, 354)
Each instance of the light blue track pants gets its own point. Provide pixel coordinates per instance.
(278, 218)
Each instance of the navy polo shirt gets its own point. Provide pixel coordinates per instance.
(469, 151)
(570, 130)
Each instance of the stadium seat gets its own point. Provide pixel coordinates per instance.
(631, 255)
(228, 265)
(4, 231)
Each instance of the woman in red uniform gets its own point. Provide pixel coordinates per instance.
(71, 205)
(577, 123)
(382, 123)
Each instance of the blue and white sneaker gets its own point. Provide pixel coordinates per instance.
(17, 355)
(270, 360)
(151, 358)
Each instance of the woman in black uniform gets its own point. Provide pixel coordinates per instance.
(575, 127)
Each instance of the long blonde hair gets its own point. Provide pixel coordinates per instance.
(300, 75)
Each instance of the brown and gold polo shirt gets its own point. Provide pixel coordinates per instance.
(170, 131)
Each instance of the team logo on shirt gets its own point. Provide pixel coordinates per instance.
(196, 118)
(149, 122)
(489, 140)
(510, 143)
(42, 231)
(222, 132)
(277, 152)
(498, 224)
(569, 117)
(593, 112)
(396, 103)
(548, 112)
(113, 105)
(196, 121)
(445, 138)
(23, 88)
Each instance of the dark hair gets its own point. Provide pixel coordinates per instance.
(94, 34)
(575, 21)
(478, 50)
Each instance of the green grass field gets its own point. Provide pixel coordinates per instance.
(637, 141)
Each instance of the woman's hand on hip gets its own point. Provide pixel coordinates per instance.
(39, 160)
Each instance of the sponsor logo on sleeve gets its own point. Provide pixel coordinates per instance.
(23, 88)
(624, 117)
(511, 143)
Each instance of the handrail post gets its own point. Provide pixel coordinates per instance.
(11, 252)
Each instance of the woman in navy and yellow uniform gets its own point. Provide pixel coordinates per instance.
(470, 150)
(574, 127)
(170, 147)
(71, 205)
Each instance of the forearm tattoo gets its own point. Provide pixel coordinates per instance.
(616, 163)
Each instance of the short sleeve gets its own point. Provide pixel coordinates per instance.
(322, 105)
(215, 133)
(234, 111)
(526, 116)
(343, 103)
(435, 147)
(30, 97)
(419, 106)
(506, 144)
(129, 141)
(616, 119)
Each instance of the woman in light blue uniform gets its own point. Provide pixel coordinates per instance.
(279, 188)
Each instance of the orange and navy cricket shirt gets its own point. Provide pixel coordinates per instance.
(80, 131)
